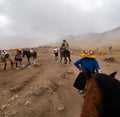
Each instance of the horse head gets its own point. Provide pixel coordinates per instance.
(102, 95)
(24, 52)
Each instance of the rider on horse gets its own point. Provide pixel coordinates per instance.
(65, 50)
(65, 45)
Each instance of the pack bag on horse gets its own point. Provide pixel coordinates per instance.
(4, 57)
(30, 53)
(102, 96)
(64, 52)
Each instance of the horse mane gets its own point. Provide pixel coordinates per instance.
(110, 90)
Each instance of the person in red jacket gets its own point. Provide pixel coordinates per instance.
(18, 57)
(56, 53)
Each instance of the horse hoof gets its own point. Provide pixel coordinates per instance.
(4, 69)
(17, 68)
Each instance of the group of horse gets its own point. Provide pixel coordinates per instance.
(25, 52)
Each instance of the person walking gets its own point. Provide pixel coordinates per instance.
(56, 53)
(18, 58)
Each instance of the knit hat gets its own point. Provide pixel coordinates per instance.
(64, 40)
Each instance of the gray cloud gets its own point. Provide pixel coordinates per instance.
(49, 20)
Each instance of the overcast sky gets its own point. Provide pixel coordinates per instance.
(50, 20)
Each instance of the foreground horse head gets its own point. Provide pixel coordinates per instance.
(102, 98)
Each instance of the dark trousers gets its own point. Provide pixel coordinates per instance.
(80, 81)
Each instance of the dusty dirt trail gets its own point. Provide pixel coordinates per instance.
(44, 90)
(41, 91)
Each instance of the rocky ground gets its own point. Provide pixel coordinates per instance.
(46, 89)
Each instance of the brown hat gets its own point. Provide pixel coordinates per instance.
(88, 54)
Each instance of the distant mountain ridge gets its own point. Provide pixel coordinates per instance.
(96, 40)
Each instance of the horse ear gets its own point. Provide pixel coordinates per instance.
(88, 73)
(113, 74)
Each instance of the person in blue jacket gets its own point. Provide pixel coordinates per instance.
(88, 61)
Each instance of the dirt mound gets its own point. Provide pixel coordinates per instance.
(110, 59)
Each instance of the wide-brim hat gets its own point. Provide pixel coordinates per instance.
(88, 54)
(17, 49)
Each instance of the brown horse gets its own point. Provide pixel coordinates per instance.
(29, 55)
(102, 97)
(65, 54)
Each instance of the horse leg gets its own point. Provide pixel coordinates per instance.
(60, 59)
(65, 60)
(68, 55)
(28, 61)
(34, 61)
(65, 57)
(5, 65)
(11, 62)
(16, 64)
(69, 60)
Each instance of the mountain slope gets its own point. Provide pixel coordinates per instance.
(95, 40)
